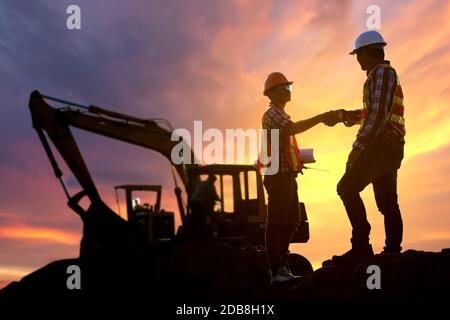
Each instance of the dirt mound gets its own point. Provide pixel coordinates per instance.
(217, 271)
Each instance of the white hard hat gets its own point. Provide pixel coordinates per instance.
(367, 38)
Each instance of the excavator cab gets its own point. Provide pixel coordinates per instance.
(241, 211)
(157, 224)
(235, 212)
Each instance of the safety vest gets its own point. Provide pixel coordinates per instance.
(290, 151)
(395, 117)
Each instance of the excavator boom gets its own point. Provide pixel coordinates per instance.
(141, 132)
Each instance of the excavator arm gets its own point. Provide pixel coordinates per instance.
(141, 132)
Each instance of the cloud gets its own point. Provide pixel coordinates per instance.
(207, 60)
(30, 233)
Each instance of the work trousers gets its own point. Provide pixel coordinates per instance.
(378, 166)
(282, 217)
(197, 226)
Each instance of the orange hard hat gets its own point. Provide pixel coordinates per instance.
(275, 79)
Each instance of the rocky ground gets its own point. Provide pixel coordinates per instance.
(216, 271)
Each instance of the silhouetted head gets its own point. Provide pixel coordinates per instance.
(278, 88)
(212, 178)
(369, 49)
(369, 56)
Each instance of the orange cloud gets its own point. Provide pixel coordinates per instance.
(31, 233)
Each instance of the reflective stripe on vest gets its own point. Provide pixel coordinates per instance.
(290, 150)
(395, 117)
(292, 154)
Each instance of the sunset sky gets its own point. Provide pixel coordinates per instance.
(207, 60)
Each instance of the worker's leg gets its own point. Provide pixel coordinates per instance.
(349, 187)
(374, 162)
(385, 190)
(367, 168)
(291, 221)
(277, 187)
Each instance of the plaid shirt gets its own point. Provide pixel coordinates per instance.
(379, 90)
(276, 118)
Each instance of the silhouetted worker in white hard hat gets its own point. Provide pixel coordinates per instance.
(377, 152)
(281, 186)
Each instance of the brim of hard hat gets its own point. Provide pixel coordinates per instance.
(383, 44)
(278, 85)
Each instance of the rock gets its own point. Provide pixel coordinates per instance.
(410, 275)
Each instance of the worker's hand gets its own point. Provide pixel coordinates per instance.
(331, 118)
(353, 158)
(351, 118)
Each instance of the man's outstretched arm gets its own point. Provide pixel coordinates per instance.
(329, 118)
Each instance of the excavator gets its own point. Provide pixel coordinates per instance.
(239, 218)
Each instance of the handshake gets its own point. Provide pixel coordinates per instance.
(349, 118)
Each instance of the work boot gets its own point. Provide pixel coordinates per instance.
(282, 275)
(390, 252)
(288, 270)
(353, 256)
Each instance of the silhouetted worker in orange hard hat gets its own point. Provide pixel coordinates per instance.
(283, 207)
(377, 152)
